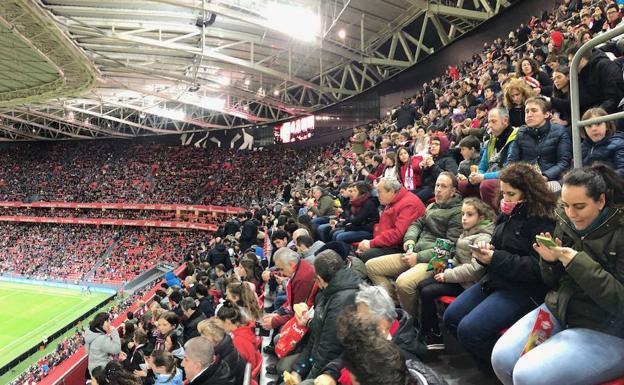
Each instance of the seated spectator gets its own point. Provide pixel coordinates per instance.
(542, 143)
(364, 214)
(323, 206)
(374, 303)
(192, 317)
(307, 247)
(439, 161)
(409, 169)
(489, 96)
(420, 141)
(515, 94)
(465, 271)
(249, 270)
(376, 168)
(139, 348)
(512, 284)
(338, 286)
(528, 70)
(243, 295)
(560, 100)
(441, 220)
(102, 341)
(493, 155)
(372, 359)
(113, 374)
(215, 336)
(200, 366)
(470, 149)
(242, 332)
(401, 209)
(163, 364)
(300, 274)
(390, 161)
(206, 301)
(169, 337)
(585, 301)
(601, 142)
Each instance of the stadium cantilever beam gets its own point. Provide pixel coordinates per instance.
(38, 62)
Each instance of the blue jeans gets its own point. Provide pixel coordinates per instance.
(476, 318)
(318, 221)
(570, 356)
(349, 237)
(323, 231)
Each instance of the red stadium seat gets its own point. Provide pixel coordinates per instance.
(446, 300)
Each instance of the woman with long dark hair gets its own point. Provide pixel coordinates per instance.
(512, 284)
(584, 269)
(102, 341)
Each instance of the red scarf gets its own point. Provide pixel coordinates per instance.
(357, 203)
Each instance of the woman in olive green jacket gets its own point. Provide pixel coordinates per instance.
(582, 338)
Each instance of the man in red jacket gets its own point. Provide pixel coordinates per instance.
(301, 279)
(402, 208)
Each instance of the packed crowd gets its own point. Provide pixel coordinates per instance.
(182, 216)
(137, 250)
(71, 252)
(46, 251)
(118, 172)
(466, 192)
(64, 350)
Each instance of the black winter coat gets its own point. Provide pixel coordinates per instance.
(515, 264)
(323, 345)
(609, 150)
(548, 146)
(444, 163)
(190, 325)
(227, 353)
(217, 374)
(219, 254)
(365, 218)
(600, 83)
(405, 116)
(206, 306)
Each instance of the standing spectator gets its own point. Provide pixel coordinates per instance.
(405, 115)
(402, 208)
(600, 82)
(102, 341)
(358, 140)
(219, 255)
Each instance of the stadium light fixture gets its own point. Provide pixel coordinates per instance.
(342, 34)
(247, 82)
(298, 22)
(275, 92)
(213, 103)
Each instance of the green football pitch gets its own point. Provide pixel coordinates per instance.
(31, 313)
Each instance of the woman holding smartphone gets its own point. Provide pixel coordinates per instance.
(584, 307)
(512, 284)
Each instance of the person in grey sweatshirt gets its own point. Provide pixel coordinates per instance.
(101, 341)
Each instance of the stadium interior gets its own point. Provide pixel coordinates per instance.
(314, 192)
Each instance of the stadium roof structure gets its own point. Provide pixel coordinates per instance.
(127, 68)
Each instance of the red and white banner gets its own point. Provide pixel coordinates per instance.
(111, 222)
(127, 206)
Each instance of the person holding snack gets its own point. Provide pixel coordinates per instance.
(442, 220)
(512, 284)
(477, 222)
(581, 324)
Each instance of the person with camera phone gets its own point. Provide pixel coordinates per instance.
(580, 324)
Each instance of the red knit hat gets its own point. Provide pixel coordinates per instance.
(557, 38)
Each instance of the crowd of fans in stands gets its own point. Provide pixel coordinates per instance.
(454, 193)
(122, 172)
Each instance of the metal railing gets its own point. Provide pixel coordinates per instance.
(574, 94)
(247, 378)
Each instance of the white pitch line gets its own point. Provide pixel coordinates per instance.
(53, 320)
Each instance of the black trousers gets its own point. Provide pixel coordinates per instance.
(430, 290)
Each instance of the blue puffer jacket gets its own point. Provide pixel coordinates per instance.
(549, 146)
(609, 150)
